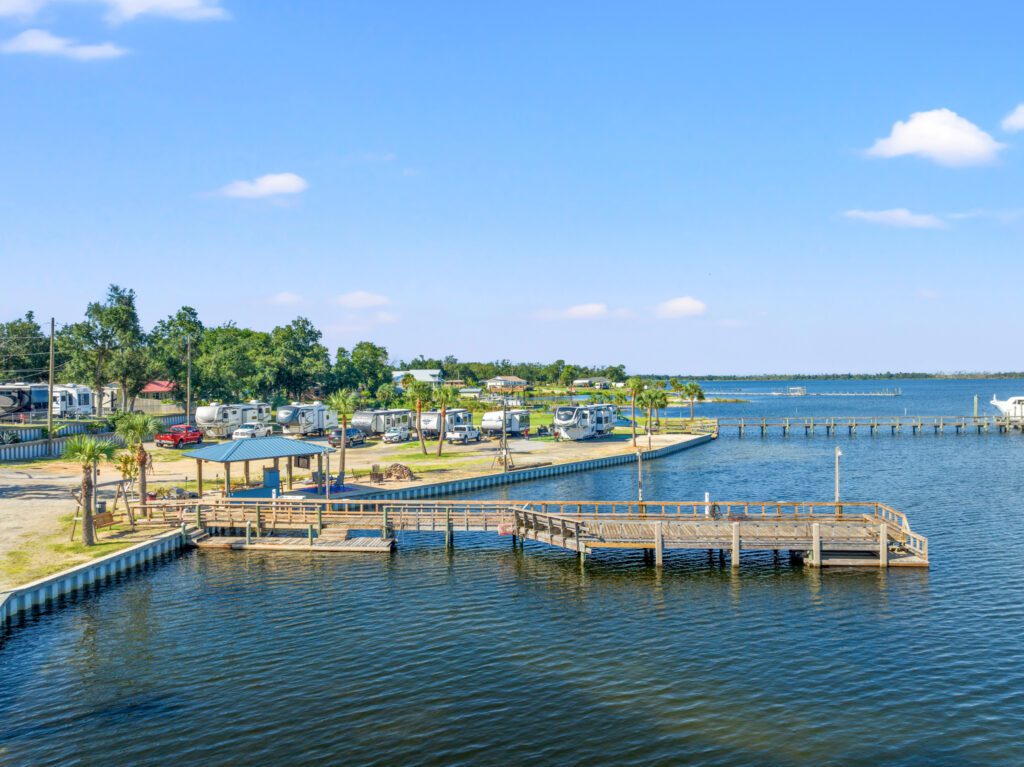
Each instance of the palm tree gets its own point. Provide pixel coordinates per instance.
(694, 393)
(88, 452)
(386, 395)
(643, 399)
(659, 401)
(344, 402)
(634, 386)
(443, 397)
(135, 429)
(417, 392)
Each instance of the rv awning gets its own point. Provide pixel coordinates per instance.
(255, 449)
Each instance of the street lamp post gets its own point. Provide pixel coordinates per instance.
(839, 509)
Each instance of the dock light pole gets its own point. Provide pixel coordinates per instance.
(640, 476)
(839, 509)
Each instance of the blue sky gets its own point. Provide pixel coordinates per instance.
(727, 188)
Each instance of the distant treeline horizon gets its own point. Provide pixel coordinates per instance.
(965, 376)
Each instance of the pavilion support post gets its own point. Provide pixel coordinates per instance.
(246, 473)
(199, 477)
(227, 480)
(277, 464)
(659, 545)
(289, 473)
(320, 473)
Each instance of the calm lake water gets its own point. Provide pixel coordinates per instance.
(491, 656)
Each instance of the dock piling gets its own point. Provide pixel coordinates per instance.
(735, 557)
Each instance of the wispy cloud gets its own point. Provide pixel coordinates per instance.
(898, 217)
(42, 43)
(119, 11)
(1014, 121)
(940, 135)
(286, 298)
(270, 185)
(592, 311)
(1002, 216)
(361, 299)
(683, 306)
(928, 294)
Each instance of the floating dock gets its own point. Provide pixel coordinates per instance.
(847, 534)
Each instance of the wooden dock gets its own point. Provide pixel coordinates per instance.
(850, 425)
(848, 534)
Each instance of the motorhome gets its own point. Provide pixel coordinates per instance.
(584, 422)
(516, 422)
(430, 421)
(221, 420)
(72, 401)
(23, 399)
(302, 420)
(372, 422)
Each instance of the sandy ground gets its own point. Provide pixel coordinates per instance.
(35, 497)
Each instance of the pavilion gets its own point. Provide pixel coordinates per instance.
(258, 449)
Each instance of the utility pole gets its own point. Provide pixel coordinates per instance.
(188, 381)
(49, 406)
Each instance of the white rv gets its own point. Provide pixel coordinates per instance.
(430, 421)
(516, 422)
(217, 420)
(72, 401)
(379, 421)
(584, 422)
(302, 420)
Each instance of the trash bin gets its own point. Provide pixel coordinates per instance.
(101, 507)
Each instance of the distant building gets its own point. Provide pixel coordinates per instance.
(433, 377)
(597, 382)
(471, 392)
(158, 390)
(505, 382)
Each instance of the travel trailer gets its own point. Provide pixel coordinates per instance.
(584, 422)
(379, 421)
(72, 401)
(303, 420)
(516, 422)
(1012, 407)
(430, 420)
(219, 420)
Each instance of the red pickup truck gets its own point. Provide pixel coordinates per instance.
(177, 436)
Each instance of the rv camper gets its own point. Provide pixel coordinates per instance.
(217, 420)
(302, 420)
(372, 422)
(516, 422)
(25, 399)
(585, 422)
(430, 420)
(72, 401)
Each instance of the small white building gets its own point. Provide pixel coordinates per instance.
(505, 382)
(433, 377)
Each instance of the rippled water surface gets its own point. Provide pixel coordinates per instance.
(492, 656)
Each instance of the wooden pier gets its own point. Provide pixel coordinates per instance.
(853, 534)
(851, 425)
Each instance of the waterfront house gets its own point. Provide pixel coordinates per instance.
(433, 377)
(501, 383)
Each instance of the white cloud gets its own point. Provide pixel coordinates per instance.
(270, 185)
(940, 135)
(182, 10)
(1014, 121)
(928, 294)
(285, 298)
(360, 299)
(20, 8)
(41, 42)
(683, 306)
(898, 217)
(586, 311)
(385, 318)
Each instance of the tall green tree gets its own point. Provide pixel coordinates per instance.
(634, 386)
(444, 397)
(370, 365)
(693, 392)
(300, 361)
(87, 452)
(345, 402)
(136, 429)
(24, 350)
(169, 345)
(416, 393)
(234, 364)
(386, 395)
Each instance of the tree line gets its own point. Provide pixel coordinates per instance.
(109, 345)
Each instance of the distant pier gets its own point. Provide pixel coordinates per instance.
(852, 425)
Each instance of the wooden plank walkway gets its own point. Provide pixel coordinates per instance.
(294, 543)
(850, 533)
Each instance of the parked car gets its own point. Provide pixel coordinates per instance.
(353, 437)
(397, 434)
(463, 434)
(179, 436)
(249, 430)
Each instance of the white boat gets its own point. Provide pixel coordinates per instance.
(1012, 407)
(585, 421)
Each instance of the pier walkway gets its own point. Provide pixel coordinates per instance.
(851, 425)
(866, 534)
